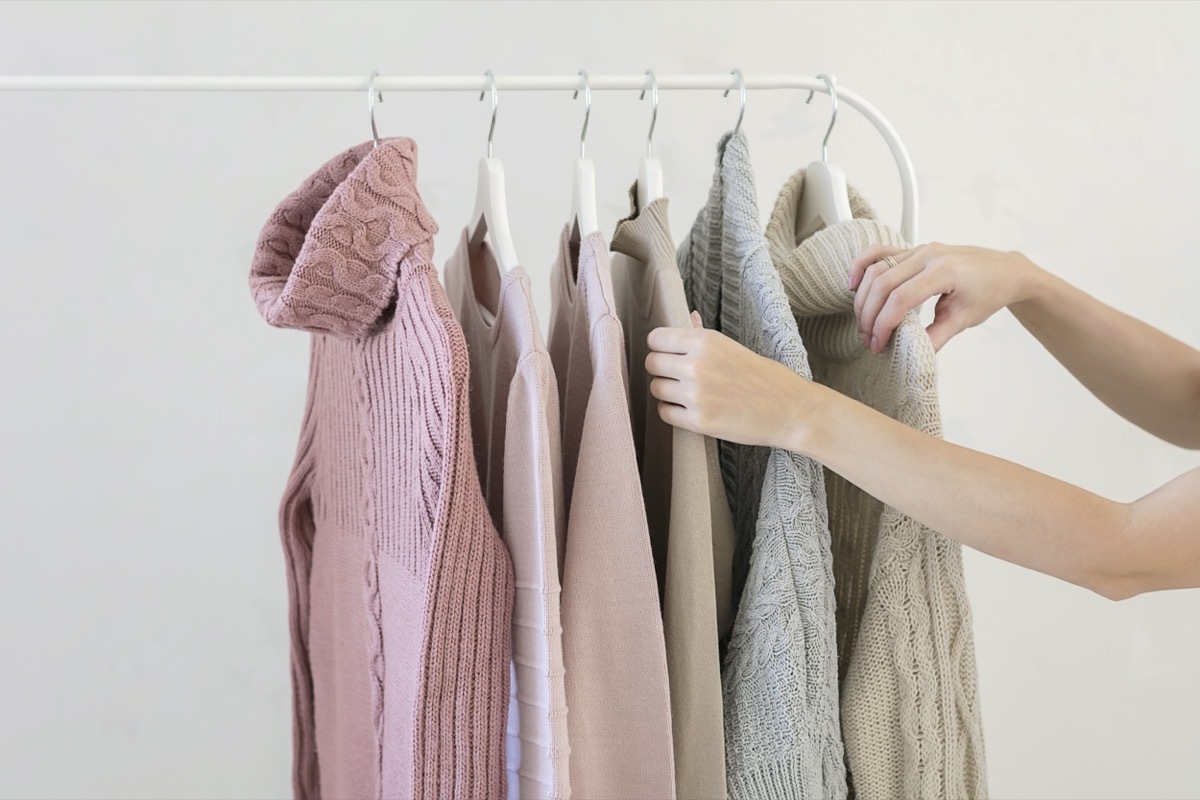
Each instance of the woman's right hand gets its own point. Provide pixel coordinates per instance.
(973, 283)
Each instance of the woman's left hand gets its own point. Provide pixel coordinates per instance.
(708, 383)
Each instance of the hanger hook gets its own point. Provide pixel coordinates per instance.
(371, 94)
(653, 112)
(495, 105)
(831, 84)
(741, 94)
(587, 110)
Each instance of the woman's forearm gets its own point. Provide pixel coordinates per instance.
(708, 383)
(987, 503)
(1146, 376)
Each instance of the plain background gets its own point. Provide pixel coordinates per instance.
(150, 416)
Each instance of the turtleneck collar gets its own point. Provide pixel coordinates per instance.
(328, 258)
(817, 268)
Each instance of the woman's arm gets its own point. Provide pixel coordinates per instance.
(1147, 377)
(708, 383)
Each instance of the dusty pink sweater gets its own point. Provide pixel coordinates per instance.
(400, 590)
(618, 697)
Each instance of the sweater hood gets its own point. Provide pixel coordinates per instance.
(328, 259)
(821, 262)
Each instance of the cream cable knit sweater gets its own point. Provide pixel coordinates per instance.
(782, 735)
(910, 707)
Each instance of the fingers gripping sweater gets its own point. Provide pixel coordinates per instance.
(782, 733)
(400, 589)
(910, 706)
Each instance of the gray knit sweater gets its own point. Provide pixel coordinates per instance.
(782, 735)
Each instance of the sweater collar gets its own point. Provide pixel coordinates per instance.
(646, 233)
(816, 270)
(328, 258)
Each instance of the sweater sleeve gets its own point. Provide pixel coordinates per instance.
(297, 530)
(619, 714)
(534, 518)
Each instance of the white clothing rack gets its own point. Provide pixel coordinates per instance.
(479, 83)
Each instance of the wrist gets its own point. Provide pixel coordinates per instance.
(1032, 282)
(808, 424)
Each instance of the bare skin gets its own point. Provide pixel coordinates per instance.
(708, 383)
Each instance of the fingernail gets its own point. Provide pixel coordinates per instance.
(874, 344)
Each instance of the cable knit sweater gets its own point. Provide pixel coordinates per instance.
(400, 589)
(910, 708)
(782, 733)
(514, 413)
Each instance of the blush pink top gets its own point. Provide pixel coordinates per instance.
(618, 699)
(400, 588)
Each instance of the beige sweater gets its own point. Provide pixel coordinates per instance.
(514, 415)
(691, 529)
(616, 662)
(910, 706)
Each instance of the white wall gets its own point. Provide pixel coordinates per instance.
(149, 415)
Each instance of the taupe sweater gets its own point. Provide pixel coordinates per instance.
(691, 530)
(909, 702)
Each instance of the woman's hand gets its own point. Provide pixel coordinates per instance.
(973, 282)
(708, 383)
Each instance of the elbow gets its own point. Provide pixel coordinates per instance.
(1112, 574)
(1114, 587)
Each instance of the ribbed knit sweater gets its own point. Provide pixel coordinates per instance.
(782, 732)
(691, 529)
(619, 718)
(514, 413)
(910, 707)
(400, 589)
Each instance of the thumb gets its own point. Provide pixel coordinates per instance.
(943, 329)
(697, 320)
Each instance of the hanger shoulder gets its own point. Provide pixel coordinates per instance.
(826, 199)
(650, 182)
(490, 217)
(583, 199)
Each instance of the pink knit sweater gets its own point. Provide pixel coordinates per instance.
(618, 696)
(400, 590)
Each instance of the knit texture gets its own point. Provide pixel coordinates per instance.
(782, 732)
(514, 413)
(691, 529)
(617, 691)
(400, 589)
(910, 706)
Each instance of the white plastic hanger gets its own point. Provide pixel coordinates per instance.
(650, 175)
(825, 200)
(583, 193)
(490, 217)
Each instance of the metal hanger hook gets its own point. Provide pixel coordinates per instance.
(587, 110)
(495, 105)
(831, 84)
(653, 111)
(741, 94)
(371, 94)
